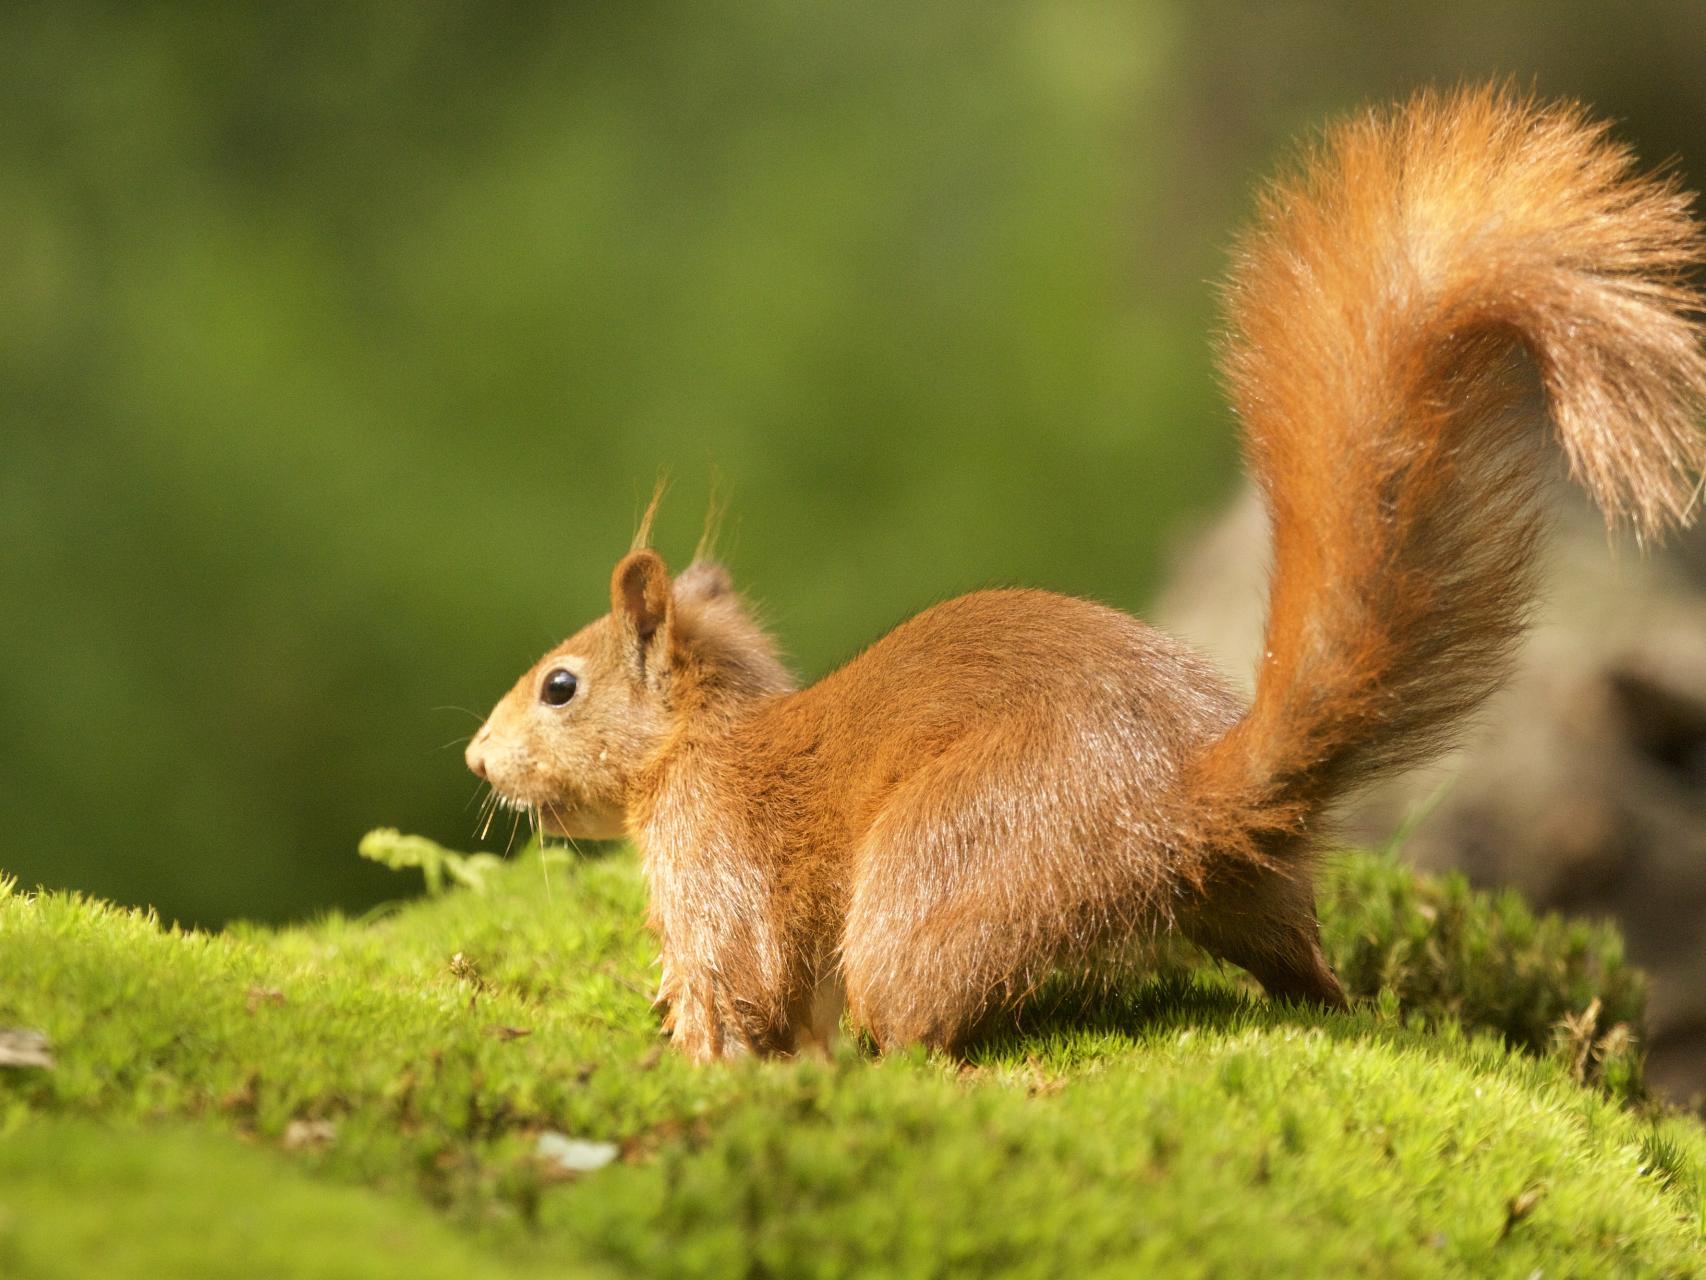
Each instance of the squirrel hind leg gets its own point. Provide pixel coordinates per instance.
(958, 915)
(932, 947)
(913, 986)
(1265, 923)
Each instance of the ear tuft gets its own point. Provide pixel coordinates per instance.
(703, 580)
(643, 532)
(639, 595)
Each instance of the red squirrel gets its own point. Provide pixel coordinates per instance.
(1016, 783)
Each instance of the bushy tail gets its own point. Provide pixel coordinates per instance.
(1377, 311)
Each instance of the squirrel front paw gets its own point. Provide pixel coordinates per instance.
(697, 1023)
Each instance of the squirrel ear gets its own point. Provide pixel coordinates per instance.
(703, 580)
(640, 603)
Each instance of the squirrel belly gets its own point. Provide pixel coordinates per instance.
(1016, 782)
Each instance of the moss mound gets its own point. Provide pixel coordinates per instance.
(385, 1096)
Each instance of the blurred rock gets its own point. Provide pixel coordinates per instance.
(24, 1047)
(1583, 783)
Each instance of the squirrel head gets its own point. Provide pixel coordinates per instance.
(575, 736)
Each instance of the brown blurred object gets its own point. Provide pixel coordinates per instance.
(1582, 784)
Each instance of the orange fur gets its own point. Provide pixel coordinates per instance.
(1015, 782)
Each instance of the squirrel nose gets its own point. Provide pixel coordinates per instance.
(475, 755)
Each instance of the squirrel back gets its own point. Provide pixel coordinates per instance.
(1378, 313)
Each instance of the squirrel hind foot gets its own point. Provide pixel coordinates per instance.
(1265, 922)
(1300, 978)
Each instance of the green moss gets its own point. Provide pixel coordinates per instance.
(1441, 950)
(389, 1078)
(78, 1199)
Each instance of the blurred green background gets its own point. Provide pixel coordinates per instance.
(340, 344)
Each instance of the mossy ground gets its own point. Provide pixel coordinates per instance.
(364, 1097)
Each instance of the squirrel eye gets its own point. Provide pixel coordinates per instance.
(559, 687)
